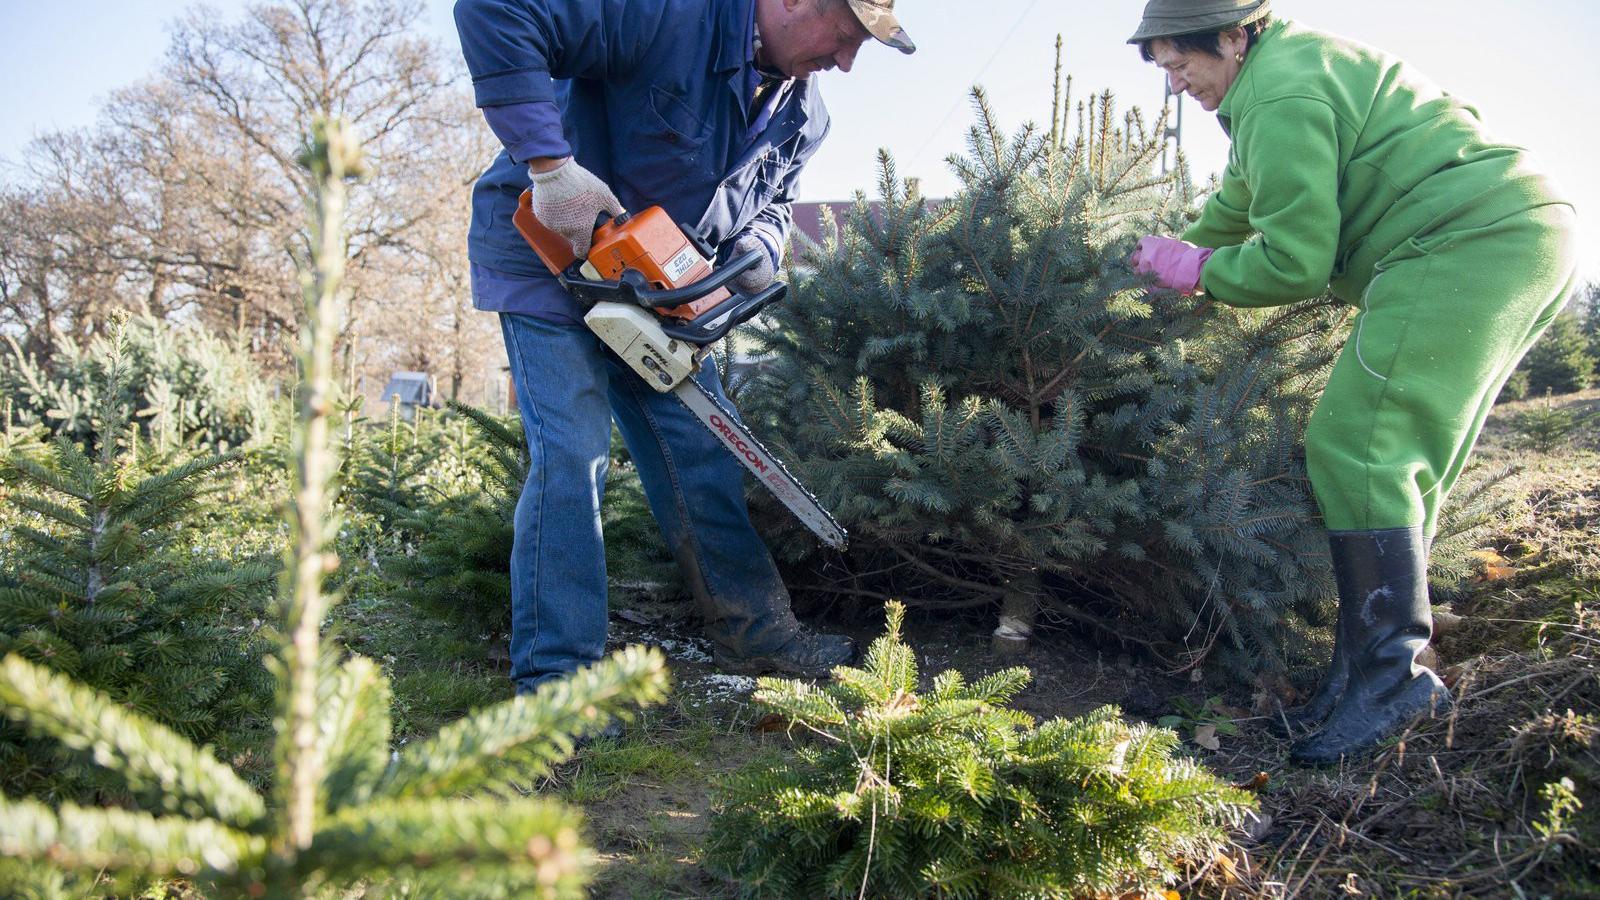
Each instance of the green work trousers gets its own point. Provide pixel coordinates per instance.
(1441, 326)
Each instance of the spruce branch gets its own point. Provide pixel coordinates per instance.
(354, 728)
(333, 155)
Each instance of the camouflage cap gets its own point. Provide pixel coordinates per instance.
(1170, 18)
(878, 18)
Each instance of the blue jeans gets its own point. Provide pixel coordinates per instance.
(569, 387)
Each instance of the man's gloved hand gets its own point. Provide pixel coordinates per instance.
(568, 199)
(1176, 264)
(757, 277)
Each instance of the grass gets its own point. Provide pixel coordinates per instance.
(1478, 804)
(1471, 806)
(1457, 808)
(1450, 809)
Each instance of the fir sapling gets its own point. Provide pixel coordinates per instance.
(345, 809)
(887, 792)
(95, 584)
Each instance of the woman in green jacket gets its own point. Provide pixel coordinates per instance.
(1348, 169)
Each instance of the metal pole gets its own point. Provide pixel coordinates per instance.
(1174, 131)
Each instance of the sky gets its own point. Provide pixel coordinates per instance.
(1530, 68)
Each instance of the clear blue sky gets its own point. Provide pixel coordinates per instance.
(1530, 67)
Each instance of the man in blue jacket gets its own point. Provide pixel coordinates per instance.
(705, 108)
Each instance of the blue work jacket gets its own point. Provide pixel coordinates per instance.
(655, 99)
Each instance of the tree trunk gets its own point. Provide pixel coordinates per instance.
(1017, 611)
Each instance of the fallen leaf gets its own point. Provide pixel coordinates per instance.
(1490, 566)
(901, 705)
(1206, 736)
(1495, 573)
(1255, 784)
(1428, 657)
(1271, 691)
(1452, 675)
(1226, 867)
(1445, 622)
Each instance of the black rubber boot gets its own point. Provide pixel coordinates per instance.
(1384, 611)
(756, 633)
(1295, 722)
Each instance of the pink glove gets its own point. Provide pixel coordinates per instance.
(1176, 264)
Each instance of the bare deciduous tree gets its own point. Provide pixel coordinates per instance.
(186, 199)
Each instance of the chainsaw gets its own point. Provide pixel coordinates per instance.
(655, 301)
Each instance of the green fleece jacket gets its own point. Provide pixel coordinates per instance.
(1340, 154)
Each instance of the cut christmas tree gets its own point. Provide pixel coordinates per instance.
(1005, 416)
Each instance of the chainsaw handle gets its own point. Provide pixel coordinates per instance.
(632, 288)
(716, 322)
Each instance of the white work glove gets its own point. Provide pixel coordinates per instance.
(756, 278)
(568, 199)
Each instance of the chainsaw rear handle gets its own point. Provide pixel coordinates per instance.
(716, 322)
(633, 288)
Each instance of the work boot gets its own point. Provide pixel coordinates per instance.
(1383, 606)
(808, 654)
(612, 732)
(753, 628)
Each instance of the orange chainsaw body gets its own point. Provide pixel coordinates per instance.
(649, 243)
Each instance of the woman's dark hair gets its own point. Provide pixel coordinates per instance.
(1207, 42)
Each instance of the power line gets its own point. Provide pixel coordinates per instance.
(975, 79)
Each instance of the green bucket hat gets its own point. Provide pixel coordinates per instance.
(877, 16)
(1170, 18)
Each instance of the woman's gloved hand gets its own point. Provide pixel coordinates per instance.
(1176, 264)
(756, 278)
(568, 199)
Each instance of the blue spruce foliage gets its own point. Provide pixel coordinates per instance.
(1004, 414)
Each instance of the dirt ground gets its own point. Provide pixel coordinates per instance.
(1457, 807)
